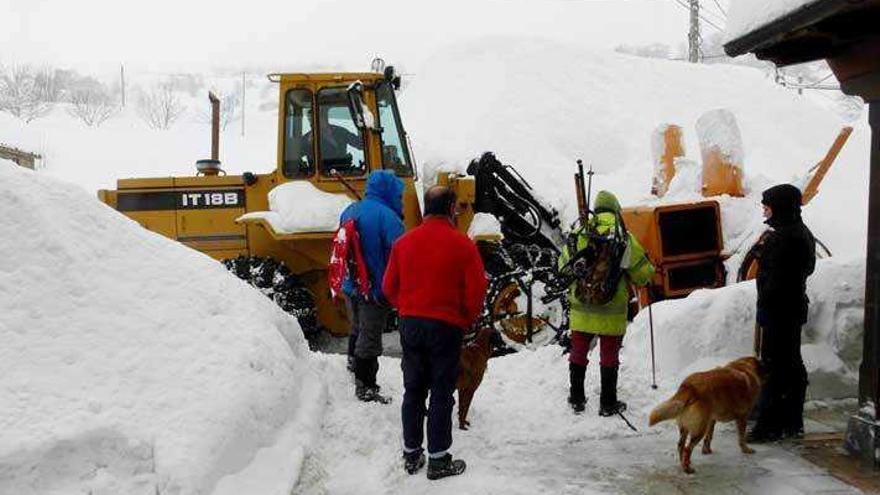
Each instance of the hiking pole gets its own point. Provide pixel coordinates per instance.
(589, 184)
(631, 427)
(651, 327)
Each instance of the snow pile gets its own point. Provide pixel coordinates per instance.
(687, 182)
(541, 105)
(711, 327)
(749, 15)
(718, 129)
(484, 225)
(132, 364)
(296, 207)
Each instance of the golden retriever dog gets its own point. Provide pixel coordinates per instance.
(474, 359)
(722, 394)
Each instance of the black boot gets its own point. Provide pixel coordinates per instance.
(576, 398)
(445, 466)
(366, 389)
(608, 403)
(413, 461)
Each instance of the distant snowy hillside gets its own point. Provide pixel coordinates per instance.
(132, 364)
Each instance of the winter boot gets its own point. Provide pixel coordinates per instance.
(576, 398)
(761, 434)
(413, 461)
(372, 394)
(445, 466)
(608, 403)
(366, 389)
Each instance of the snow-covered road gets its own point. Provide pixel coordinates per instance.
(524, 440)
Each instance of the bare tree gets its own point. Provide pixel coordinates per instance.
(92, 105)
(161, 106)
(26, 92)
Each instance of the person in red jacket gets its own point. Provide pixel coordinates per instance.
(435, 279)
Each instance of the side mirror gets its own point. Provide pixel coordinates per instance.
(360, 114)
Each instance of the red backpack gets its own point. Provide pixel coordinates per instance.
(346, 259)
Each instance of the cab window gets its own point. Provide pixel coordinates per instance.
(395, 154)
(298, 149)
(342, 143)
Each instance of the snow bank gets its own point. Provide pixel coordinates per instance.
(749, 15)
(296, 207)
(130, 363)
(541, 105)
(711, 327)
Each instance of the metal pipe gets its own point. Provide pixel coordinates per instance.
(215, 125)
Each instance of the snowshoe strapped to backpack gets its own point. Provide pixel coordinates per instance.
(347, 260)
(599, 263)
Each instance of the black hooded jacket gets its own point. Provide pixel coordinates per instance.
(788, 257)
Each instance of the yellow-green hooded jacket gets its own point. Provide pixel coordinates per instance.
(610, 318)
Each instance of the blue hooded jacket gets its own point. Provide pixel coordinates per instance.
(379, 223)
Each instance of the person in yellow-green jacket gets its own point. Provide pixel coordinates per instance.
(608, 321)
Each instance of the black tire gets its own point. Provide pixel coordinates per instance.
(278, 283)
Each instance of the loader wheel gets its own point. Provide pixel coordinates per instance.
(506, 299)
(507, 305)
(276, 281)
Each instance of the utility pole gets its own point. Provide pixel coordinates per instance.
(694, 33)
(122, 82)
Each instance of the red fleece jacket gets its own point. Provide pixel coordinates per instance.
(436, 272)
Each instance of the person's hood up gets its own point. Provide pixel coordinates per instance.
(785, 202)
(387, 188)
(605, 201)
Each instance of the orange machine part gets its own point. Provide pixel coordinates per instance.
(673, 147)
(720, 176)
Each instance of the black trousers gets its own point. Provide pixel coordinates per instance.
(431, 353)
(781, 404)
(368, 321)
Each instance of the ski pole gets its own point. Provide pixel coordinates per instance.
(631, 427)
(651, 326)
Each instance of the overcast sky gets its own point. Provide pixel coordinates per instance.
(285, 34)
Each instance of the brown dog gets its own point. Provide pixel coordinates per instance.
(722, 394)
(474, 358)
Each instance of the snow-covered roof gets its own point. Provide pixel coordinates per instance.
(747, 16)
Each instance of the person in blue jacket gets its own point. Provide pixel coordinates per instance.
(378, 218)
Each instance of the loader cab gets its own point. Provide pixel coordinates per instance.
(343, 125)
(340, 127)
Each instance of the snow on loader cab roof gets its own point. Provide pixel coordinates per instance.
(275, 229)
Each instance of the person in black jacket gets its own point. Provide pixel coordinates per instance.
(787, 258)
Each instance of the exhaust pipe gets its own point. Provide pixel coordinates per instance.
(211, 166)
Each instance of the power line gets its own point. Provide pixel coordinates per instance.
(717, 4)
(707, 21)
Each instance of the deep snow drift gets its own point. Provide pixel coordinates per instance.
(711, 327)
(132, 364)
(541, 105)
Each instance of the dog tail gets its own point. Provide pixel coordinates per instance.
(673, 407)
